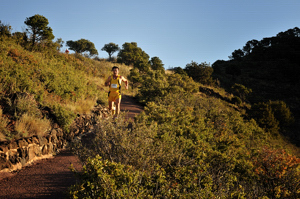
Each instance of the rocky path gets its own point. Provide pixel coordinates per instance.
(50, 178)
(131, 106)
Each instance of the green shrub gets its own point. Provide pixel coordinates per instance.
(5, 30)
(236, 100)
(282, 113)
(272, 115)
(135, 78)
(200, 72)
(63, 116)
(154, 86)
(264, 116)
(181, 83)
(179, 70)
(104, 179)
(241, 91)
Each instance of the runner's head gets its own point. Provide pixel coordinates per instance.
(115, 67)
(115, 70)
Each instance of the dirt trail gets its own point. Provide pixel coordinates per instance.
(131, 105)
(50, 178)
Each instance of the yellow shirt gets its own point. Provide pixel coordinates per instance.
(115, 85)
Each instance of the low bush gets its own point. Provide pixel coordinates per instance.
(277, 172)
(106, 179)
(63, 116)
(272, 115)
(236, 100)
(242, 91)
(282, 113)
(154, 85)
(200, 72)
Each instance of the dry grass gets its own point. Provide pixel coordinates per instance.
(169, 72)
(98, 81)
(29, 125)
(27, 104)
(105, 68)
(1, 112)
(82, 106)
(2, 137)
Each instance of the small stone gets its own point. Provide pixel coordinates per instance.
(3, 148)
(53, 132)
(13, 157)
(45, 150)
(4, 163)
(22, 143)
(35, 140)
(12, 145)
(48, 137)
(31, 153)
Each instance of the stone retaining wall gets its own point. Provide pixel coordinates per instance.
(18, 153)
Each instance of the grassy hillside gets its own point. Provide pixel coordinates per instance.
(38, 88)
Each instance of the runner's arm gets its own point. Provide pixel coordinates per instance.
(107, 82)
(125, 81)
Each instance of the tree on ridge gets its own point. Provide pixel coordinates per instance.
(110, 48)
(38, 29)
(81, 46)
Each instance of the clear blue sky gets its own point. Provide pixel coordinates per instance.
(176, 31)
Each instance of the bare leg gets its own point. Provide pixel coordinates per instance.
(118, 103)
(110, 105)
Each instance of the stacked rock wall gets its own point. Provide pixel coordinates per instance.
(18, 153)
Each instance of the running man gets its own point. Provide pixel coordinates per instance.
(114, 95)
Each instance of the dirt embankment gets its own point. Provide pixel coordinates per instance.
(50, 178)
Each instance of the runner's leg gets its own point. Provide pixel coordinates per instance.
(113, 108)
(118, 102)
(110, 104)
